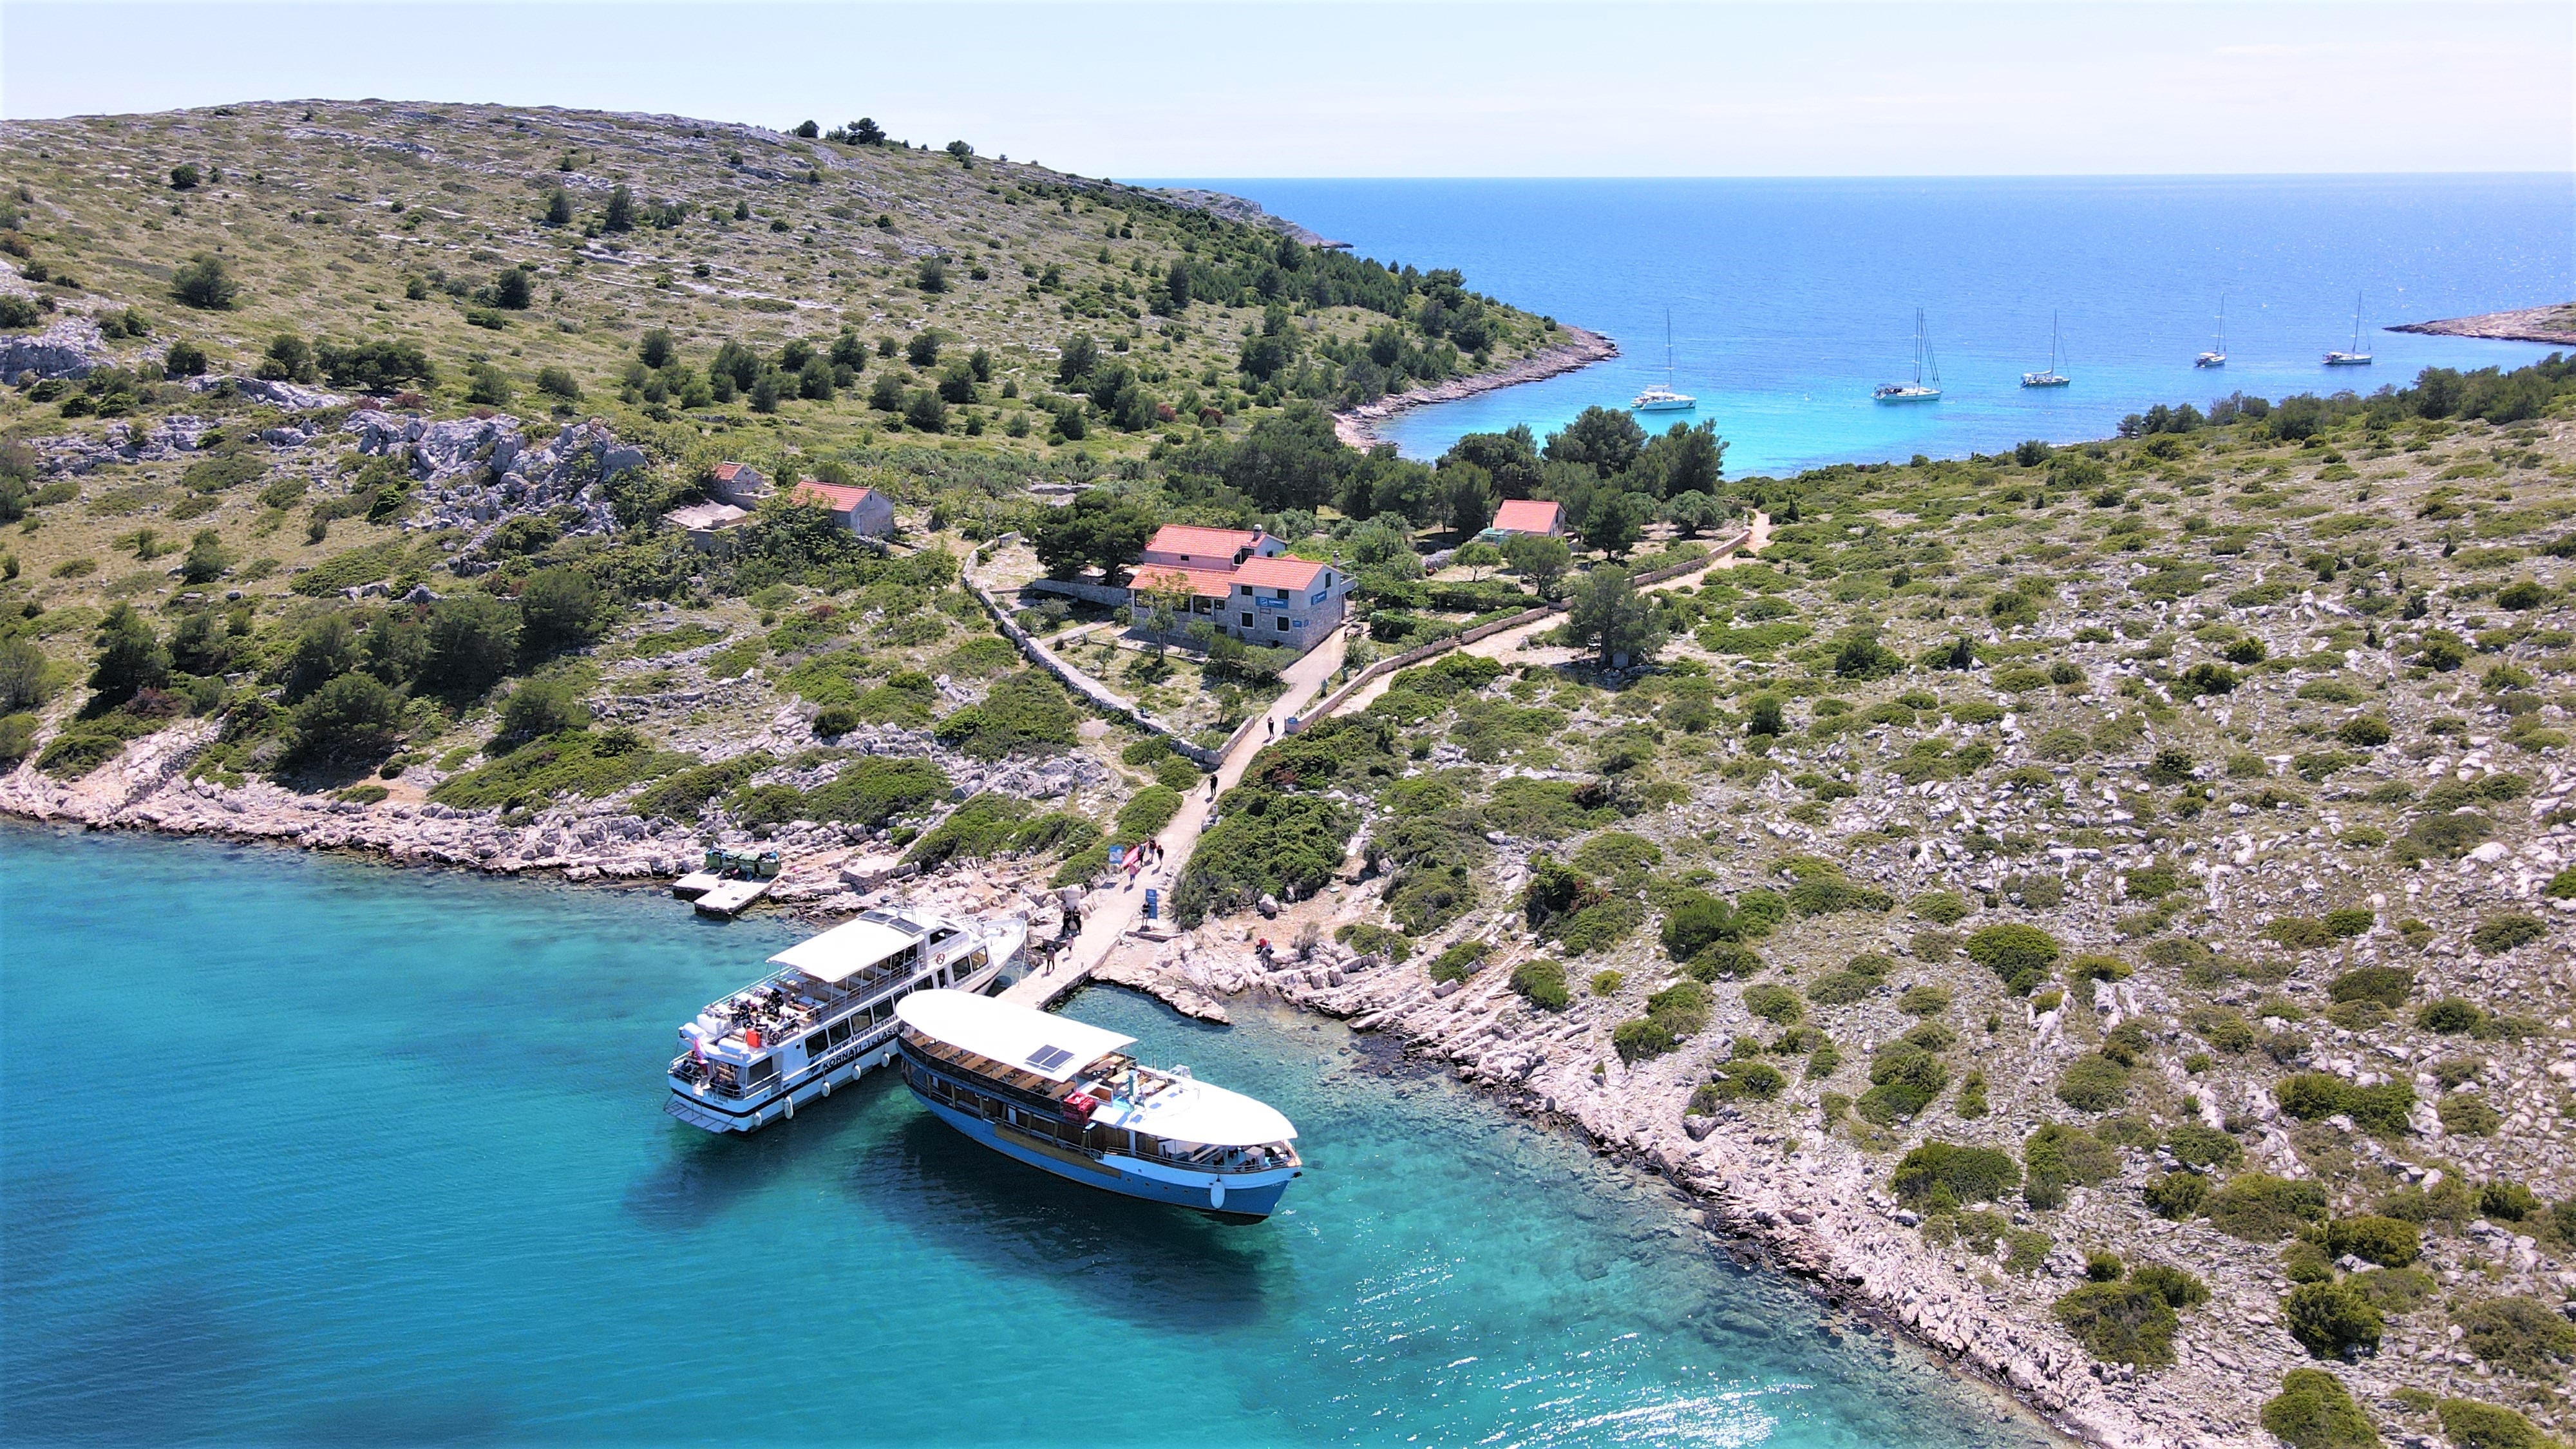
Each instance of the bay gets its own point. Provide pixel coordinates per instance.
(310, 1149)
(1791, 299)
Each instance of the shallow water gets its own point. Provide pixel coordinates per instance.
(308, 1149)
(1791, 299)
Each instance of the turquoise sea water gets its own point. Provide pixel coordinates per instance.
(308, 1150)
(1791, 299)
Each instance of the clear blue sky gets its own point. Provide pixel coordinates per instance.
(1442, 89)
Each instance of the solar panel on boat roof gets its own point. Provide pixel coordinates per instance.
(1048, 1058)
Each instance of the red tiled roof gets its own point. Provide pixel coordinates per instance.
(1527, 515)
(1183, 538)
(1203, 583)
(725, 471)
(831, 495)
(1282, 572)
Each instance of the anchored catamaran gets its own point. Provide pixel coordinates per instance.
(827, 1014)
(1662, 398)
(1064, 1097)
(1918, 390)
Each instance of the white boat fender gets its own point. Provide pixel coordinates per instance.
(791, 1106)
(1216, 1193)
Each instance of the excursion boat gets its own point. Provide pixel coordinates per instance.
(826, 1015)
(1918, 390)
(1064, 1097)
(2356, 357)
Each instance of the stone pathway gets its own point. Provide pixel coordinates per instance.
(1111, 912)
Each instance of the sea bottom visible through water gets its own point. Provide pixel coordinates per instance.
(308, 1149)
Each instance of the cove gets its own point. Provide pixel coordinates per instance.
(311, 1149)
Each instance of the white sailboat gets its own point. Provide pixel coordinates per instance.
(2216, 356)
(2052, 377)
(2356, 357)
(1920, 389)
(1663, 398)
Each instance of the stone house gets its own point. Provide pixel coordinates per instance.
(1242, 582)
(739, 484)
(863, 511)
(705, 523)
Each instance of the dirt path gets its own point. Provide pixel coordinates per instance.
(1110, 912)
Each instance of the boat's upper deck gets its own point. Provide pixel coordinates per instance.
(821, 978)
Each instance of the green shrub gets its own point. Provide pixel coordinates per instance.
(2020, 955)
(1744, 1079)
(576, 762)
(1965, 1174)
(2498, 934)
(685, 792)
(1775, 1004)
(1943, 908)
(2469, 1424)
(2177, 1195)
(2464, 1115)
(1540, 981)
(1458, 960)
(1023, 712)
(2313, 1411)
(2387, 985)
(2331, 1320)
(2120, 1322)
(2518, 1333)
(991, 824)
(1723, 958)
(1904, 1079)
(2178, 1287)
(1370, 939)
(2194, 1145)
(353, 717)
(2385, 1241)
(1148, 812)
(2260, 1208)
(77, 751)
(2057, 1156)
(1641, 1038)
(1265, 842)
(2093, 1084)
(17, 739)
(542, 707)
(2381, 1109)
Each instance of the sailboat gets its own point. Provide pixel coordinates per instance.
(1663, 398)
(2216, 356)
(2356, 357)
(2052, 377)
(1918, 390)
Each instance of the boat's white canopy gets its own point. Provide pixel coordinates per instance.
(1054, 1047)
(846, 950)
(1197, 1112)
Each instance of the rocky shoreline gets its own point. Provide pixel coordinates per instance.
(1580, 349)
(2555, 325)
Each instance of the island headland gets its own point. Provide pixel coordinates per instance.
(2100, 908)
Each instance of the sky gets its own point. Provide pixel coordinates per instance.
(1453, 88)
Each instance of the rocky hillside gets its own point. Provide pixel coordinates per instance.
(2107, 906)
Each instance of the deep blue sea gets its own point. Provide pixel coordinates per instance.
(1791, 299)
(310, 1150)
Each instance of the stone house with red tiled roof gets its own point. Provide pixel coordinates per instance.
(1241, 581)
(863, 511)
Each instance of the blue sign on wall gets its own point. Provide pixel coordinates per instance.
(1272, 603)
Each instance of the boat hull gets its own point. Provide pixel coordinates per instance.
(1682, 405)
(1909, 395)
(2206, 360)
(1235, 1196)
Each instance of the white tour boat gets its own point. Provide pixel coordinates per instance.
(2216, 356)
(827, 1014)
(2356, 357)
(1662, 398)
(1063, 1096)
(1919, 390)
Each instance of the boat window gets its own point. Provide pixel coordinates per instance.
(840, 1032)
(764, 1069)
(816, 1044)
